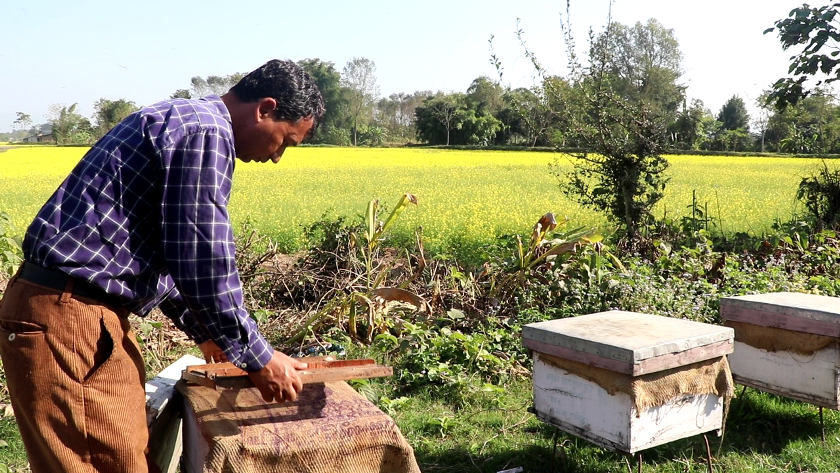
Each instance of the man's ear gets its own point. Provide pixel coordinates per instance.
(266, 106)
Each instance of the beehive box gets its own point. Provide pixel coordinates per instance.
(628, 381)
(787, 344)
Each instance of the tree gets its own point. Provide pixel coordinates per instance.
(442, 112)
(23, 121)
(396, 114)
(763, 120)
(68, 126)
(687, 131)
(643, 63)
(335, 125)
(531, 114)
(485, 96)
(108, 113)
(812, 28)
(812, 125)
(359, 76)
(733, 115)
(623, 175)
(214, 85)
(181, 94)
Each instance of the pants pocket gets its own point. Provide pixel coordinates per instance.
(21, 328)
(104, 350)
(21, 344)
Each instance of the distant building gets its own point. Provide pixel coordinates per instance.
(42, 134)
(40, 138)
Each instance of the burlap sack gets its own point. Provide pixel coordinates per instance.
(776, 339)
(329, 429)
(656, 389)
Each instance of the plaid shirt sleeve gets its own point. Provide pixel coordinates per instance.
(174, 307)
(198, 244)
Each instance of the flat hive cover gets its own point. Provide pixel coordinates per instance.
(628, 337)
(789, 304)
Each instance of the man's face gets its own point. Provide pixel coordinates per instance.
(267, 138)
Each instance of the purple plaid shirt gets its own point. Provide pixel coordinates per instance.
(144, 216)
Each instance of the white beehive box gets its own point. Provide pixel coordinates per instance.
(806, 367)
(628, 347)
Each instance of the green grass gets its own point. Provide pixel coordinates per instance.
(12, 454)
(494, 431)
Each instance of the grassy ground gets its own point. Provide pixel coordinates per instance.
(492, 431)
(479, 429)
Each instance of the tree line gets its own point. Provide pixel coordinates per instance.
(643, 64)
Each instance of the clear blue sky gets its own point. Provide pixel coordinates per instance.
(60, 52)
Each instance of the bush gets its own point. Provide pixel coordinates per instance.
(820, 193)
(11, 255)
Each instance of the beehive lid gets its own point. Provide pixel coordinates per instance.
(629, 342)
(808, 313)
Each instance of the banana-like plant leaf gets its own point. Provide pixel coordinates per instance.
(370, 220)
(403, 203)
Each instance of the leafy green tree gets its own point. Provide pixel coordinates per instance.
(335, 127)
(70, 127)
(531, 115)
(812, 125)
(23, 121)
(762, 121)
(643, 64)
(733, 115)
(687, 131)
(438, 116)
(814, 29)
(108, 113)
(359, 77)
(478, 128)
(214, 85)
(448, 119)
(623, 175)
(181, 94)
(395, 114)
(485, 96)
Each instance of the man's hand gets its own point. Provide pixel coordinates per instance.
(279, 380)
(212, 352)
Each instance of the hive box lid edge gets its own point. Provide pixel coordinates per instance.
(790, 304)
(628, 337)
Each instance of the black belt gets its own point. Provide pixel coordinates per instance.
(57, 280)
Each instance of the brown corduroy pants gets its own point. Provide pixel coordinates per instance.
(75, 375)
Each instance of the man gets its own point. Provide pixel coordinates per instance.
(142, 222)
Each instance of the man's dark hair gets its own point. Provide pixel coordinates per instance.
(295, 91)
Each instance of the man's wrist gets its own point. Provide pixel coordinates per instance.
(253, 360)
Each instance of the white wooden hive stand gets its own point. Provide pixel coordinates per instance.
(628, 381)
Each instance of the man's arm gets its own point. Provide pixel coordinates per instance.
(175, 308)
(198, 245)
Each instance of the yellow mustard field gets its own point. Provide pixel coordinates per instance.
(465, 197)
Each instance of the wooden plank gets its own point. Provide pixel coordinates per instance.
(579, 356)
(692, 355)
(807, 306)
(228, 376)
(650, 365)
(777, 320)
